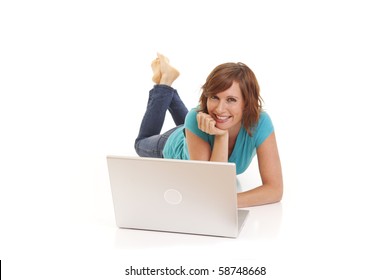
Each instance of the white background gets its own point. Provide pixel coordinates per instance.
(74, 77)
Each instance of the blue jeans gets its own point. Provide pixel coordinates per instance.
(150, 143)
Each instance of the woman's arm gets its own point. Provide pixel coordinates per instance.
(200, 149)
(271, 175)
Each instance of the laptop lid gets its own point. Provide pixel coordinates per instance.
(185, 196)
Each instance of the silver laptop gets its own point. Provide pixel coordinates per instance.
(183, 196)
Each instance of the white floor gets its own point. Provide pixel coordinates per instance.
(74, 81)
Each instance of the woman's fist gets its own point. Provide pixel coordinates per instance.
(208, 125)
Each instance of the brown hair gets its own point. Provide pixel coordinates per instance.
(222, 77)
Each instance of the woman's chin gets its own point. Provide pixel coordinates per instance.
(222, 126)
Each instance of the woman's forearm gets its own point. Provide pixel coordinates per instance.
(265, 194)
(220, 150)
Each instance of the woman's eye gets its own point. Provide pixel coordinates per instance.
(231, 100)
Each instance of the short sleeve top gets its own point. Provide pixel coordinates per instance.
(244, 149)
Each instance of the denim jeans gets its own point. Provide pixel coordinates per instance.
(150, 143)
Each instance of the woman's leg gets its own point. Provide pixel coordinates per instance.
(149, 142)
(162, 97)
(164, 73)
(177, 109)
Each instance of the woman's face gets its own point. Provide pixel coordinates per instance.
(226, 108)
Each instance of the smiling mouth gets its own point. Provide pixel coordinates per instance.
(221, 119)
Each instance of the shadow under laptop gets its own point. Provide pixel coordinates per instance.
(143, 239)
(263, 222)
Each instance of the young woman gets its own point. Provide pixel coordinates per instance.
(228, 125)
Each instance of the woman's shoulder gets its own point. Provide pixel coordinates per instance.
(191, 116)
(263, 128)
(193, 112)
(191, 123)
(264, 119)
(264, 114)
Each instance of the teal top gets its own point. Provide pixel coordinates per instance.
(244, 148)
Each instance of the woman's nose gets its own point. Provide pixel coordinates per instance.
(220, 107)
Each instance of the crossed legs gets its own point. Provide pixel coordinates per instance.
(162, 97)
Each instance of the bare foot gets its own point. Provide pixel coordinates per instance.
(156, 71)
(168, 73)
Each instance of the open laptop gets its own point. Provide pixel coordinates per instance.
(184, 196)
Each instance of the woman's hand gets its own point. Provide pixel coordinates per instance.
(208, 125)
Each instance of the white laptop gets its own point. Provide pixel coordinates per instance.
(183, 196)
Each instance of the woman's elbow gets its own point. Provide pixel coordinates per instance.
(278, 193)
